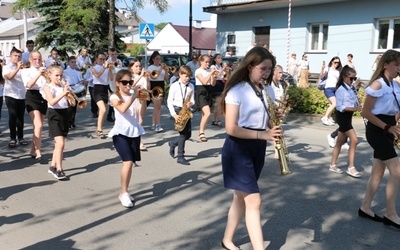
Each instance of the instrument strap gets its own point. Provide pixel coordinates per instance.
(391, 85)
(261, 97)
(183, 94)
(353, 89)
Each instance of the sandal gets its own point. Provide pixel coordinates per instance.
(218, 123)
(335, 169)
(143, 147)
(22, 142)
(202, 137)
(101, 134)
(214, 123)
(355, 174)
(12, 144)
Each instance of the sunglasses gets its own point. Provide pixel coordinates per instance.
(125, 82)
(336, 62)
(352, 79)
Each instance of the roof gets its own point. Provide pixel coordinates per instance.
(14, 28)
(6, 12)
(202, 38)
(125, 19)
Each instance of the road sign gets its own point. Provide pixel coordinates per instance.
(146, 30)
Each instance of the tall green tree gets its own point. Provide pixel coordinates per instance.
(72, 24)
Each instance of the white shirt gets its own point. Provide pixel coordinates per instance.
(83, 61)
(345, 97)
(14, 87)
(278, 91)
(142, 81)
(193, 66)
(178, 92)
(55, 91)
(103, 79)
(28, 74)
(252, 113)
(25, 57)
(219, 69)
(127, 123)
(160, 76)
(72, 76)
(204, 72)
(385, 103)
(333, 77)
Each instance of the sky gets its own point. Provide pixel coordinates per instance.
(177, 13)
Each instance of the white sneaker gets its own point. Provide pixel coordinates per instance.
(331, 141)
(153, 126)
(125, 199)
(158, 128)
(345, 146)
(331, 120)
(325, 121)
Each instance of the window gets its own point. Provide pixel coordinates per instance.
(318, 36)
(388, 36)
(231, 39)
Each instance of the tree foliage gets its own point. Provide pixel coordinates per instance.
(161, 26)
(72, 24)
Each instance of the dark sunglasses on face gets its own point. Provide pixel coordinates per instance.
(336, 62)
(352, 79)
(125, 82)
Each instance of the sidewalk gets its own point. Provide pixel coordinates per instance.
(182, 207)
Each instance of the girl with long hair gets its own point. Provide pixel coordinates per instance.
(381, 108)
(243, 152)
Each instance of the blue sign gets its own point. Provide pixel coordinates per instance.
(146, 30)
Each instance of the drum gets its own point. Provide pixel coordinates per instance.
(79, 90)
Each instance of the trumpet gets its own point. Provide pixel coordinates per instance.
(73, 99)
(157, 93)
(215, 73)
(116, 64)
(23, 66)
(154, 74)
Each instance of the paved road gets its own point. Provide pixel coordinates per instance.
(182, 207)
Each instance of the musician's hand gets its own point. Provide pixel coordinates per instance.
(66, 89)
(177, 118)
(189, 104)
(274, 133)
(358, 108)
(42, 70)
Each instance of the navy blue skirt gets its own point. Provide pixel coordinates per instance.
(242, 162)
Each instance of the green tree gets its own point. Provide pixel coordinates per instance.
(160, 26)
(71, 24)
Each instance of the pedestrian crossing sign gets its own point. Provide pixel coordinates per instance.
(146, 30)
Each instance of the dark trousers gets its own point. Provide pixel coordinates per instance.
(71, 115)
(16, 111)
(184, 135)
(93, 106)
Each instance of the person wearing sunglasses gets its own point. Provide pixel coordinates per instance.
(332, 72)
(127, 130)
(346, 104)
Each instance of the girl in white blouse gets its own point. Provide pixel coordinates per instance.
(127, 130)
(346, 104)
(55, 93)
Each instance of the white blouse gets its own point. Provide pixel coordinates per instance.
(333, 77)
(142, 81)
(204, 72)
(127, 123)
(252, 113)
(345, 98)
(103, 79)
(55, 91)
(385, 103)
(30, 73)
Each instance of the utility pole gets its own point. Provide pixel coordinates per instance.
(190, 29)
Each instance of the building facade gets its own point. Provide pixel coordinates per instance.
(319, 28)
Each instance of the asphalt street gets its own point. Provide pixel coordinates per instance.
(183, 207)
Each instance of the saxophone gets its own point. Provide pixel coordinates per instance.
(184, 113)
(280, 145)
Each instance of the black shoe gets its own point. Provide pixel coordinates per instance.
(94, 116)
(183, 161)
(73, 125)
(171, 149)
(110, 119)
(388, 222)
(362, 214)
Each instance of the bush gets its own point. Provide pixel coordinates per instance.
(311, 100)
